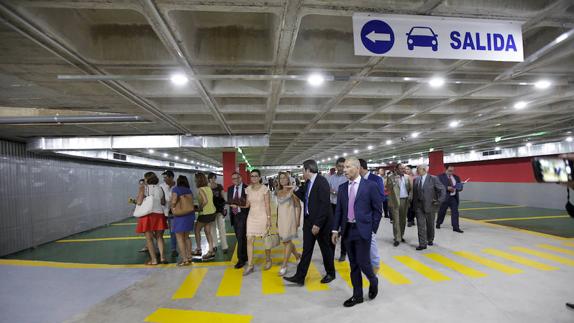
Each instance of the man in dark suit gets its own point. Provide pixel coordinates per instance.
(236, 195)
(317, 223)
(428, 194)
(357, 217)
(453, 185)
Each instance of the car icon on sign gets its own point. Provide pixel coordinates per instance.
(422, 37)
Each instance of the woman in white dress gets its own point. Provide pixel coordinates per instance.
(288, 219)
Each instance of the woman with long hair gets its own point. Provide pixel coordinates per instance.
(153, 224)
(205, 218)
(288, 218)
(182, 225)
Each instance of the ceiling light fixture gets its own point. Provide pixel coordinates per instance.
(454, 123)
(388, 142)
(165, 155)
(561, 38)
(497, 139)
(151, 151)
(315, 79)
(370, 148)
(185, 160)
(542, 84)
(415, 134)
(528, 144)
(520, 105)
(569, 139)
(497, 148)
(176, 157)
(344, 154)
(356, 151)
(179, 79)
(431, 149)
(436, 82)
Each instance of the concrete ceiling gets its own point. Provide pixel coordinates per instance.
(40, 40)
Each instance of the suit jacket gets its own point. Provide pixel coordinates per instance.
(380, 184)
(319, 203)
(368, 208)
(446, 182)
(432, 194)
(242, 198)
(394, 187)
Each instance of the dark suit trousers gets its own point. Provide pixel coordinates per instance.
(451, 203)
(324, 241)
(425, 226)
(240, 226)
(343, 248)
(359, 251)
(411, 213)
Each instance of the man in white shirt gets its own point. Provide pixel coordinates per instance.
(334, 181)
(167, 187)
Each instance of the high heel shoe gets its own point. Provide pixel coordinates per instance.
(282, 271)
(248, 270)
(268, 265)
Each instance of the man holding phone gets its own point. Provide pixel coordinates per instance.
(453, 185)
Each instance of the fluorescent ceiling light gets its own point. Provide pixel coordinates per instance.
(344, 154)
(185, 160)
(151, 151)
(436, 82)
(497, 139)
(165, 155)
(394, 156)
(431, 149)
(520, 105)
(388, 142)
(315, 79)
(370, 147)
(454, 124)
(415, 134)
(356, 151)
(329, 158)
(179, 79)
(569, 139)
(561, 38)
(542, 84)
(176, 157)
(497, 148)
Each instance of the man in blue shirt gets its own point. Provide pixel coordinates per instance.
(335, 180)
(364, 172)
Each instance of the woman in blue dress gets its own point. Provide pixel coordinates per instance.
(182, 225)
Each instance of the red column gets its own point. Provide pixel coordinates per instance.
(436, 162)
(244, 173)
(228, 159)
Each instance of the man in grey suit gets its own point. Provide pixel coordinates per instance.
(428, 194)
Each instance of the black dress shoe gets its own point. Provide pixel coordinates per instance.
(353, 301)
(411, 224)
(239, 265)
(403, 240)
(458, 230)
(438, 226)
(342, 258)
(294, 280)
(396, 243)
(430, 243)
(421, 248)
(373, 291)
(327, 279)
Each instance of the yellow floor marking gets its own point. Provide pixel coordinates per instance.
(527, 218)
(488, 263)
(274, 251)
(272, 283)
(519, 259)
(422, 269)
(456, 266)
(231, 282)
(393, 276)
(313, 280)
(493, 208)
(190, 284)
(556, 249)
(259, 243)
(544, 255)
(345, 272)
(55, 264)
(169, 315)
(568, 243)
(505, 227)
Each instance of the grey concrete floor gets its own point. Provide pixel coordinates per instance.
(531, 296)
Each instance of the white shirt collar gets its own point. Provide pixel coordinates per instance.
(356, 180)
(366, 176)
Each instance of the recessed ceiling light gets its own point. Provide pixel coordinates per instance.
(454, 123)
(436, 82)
(561, 38)
(179, 79)
(151, 151)
(394, 156)
(344, 154)
(315, 79)
(322, 160)
(498, 124)
(176, 157)
(185, 160)
(415, 134)
(497, 139)
(431, 149)
(542, 84)
(569, 139)
(356, 151)
(528, 144)
(388, 142)
(522, 83)
(370, 147)
(497, 148)
(165, 155)
(336, 157)
(520, 105)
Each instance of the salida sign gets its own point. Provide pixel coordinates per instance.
(437, 37)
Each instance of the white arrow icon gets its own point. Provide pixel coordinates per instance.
(374, 37)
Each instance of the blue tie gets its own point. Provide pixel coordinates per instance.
(307, 197)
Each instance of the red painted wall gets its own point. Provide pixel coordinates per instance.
(228, 158)
(512, 170)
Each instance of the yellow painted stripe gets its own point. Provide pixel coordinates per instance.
(568, 243)
(313, 280)
(545, 255)
(526, 218)
(393, 276)
(422, 269)
(70, 265)
(191, 283)
(259, 243)
(556, 249)
(344, 271)
(456, 266)
(168, 315)
(275, 251)
(519, 259)
(272, 283)
(493, 208)
(231, 282)
(488, 263)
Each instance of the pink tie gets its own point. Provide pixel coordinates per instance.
(351, 208)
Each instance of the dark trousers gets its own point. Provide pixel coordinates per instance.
(452, 203)
(386, 209)
(425, 226)
(359, 251)
(240, 227)
(323, 238)
(411, 214)
(343, 249)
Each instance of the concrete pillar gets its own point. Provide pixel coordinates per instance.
(436, 162)
(244, 173)
(228, 161)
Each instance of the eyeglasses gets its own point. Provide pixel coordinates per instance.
(254, 175)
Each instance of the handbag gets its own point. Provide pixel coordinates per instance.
(144, 208)
(271, 240)
(184, 205)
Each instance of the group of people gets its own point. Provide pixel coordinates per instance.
(347, 205)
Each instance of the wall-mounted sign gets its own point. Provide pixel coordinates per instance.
(437, 37)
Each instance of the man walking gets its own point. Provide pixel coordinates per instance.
(453, 185)
(236, 195)
(400, 194)
(428, 194)
(335, 180)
